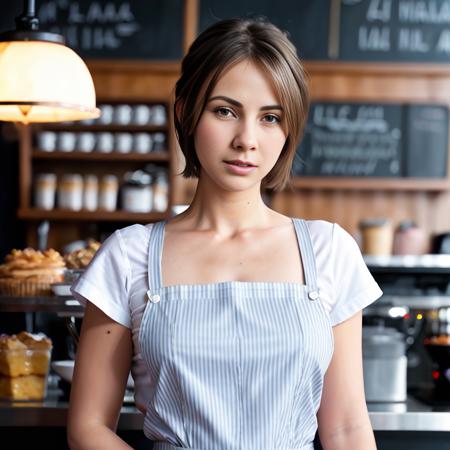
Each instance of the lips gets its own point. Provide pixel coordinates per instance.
(240, 163)
(239, 168)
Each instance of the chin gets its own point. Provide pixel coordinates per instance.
(239, 185)
(229, 182)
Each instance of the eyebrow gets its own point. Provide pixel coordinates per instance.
(239, 105)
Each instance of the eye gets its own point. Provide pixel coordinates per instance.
(223, 111)
(272, 118)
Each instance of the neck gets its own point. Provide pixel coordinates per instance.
(227, 213)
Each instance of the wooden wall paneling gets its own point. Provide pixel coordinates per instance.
(379, 83)
(191, 14)
(134, 80)
(429, 210)
(421, 208)
(439, 213)
(60, 234)
(371, 184)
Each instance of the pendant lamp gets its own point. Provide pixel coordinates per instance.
(42, 80)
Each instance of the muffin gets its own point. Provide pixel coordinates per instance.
(31, 272)
(24, 365)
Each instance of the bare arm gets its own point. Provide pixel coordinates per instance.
(101, 371)
(343, 418)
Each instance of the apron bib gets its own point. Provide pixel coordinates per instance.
(234, 365)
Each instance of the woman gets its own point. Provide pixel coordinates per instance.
(228, 312)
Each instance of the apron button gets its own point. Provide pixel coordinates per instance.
(153, 298)
(313, 295)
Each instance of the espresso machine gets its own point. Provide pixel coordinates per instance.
(414, 310)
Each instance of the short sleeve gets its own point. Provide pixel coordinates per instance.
(354, 287)
(105, 282)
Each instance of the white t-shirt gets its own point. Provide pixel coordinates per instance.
(116, 281)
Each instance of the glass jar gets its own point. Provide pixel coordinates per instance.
(159, 142)
(409, 239)
(90, 193)
(109, 187)
(45, 190)
(137, 193)
(377, 237)
(70, 192)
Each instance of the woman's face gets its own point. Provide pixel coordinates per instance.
(240, 134)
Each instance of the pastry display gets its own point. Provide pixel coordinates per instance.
(31, 272)
(24, 365)
(79, 259)
(29, 387)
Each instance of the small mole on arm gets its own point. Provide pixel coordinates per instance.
(108, 332)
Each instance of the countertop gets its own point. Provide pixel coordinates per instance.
(412, 415)
(52, 412)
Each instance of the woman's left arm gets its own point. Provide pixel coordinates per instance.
(343, 418)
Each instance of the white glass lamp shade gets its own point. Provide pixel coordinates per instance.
(44, 82)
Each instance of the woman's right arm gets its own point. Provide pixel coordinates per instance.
(101, 371)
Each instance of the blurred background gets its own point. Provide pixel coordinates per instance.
(374, 159)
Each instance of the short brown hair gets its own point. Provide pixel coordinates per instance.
(221, 46)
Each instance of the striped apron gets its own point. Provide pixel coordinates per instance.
(234, 365)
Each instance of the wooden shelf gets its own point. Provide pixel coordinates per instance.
(100, 127)
(379, 184)
(67, 305)
(97, 156)
(408, 69)
(112, 216)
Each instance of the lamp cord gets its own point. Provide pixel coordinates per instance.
(29, 8)
(27, 20)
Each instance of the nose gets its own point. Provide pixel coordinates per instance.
(246, 136)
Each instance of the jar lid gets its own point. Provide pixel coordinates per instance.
(73, 177)
(109, 179)
(375, 222)
(46, 177)
(137, 178)
(406, 225)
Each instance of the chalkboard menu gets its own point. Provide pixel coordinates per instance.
(351, 30)
(114, 29)
(427, 141)
(395, 30)
(374, 140)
